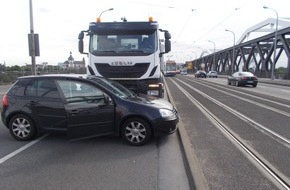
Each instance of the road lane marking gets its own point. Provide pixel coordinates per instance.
(12, 154)
(288, 91)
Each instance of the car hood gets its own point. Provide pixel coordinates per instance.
(152, 101)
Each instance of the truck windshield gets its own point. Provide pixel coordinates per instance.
(123, 44)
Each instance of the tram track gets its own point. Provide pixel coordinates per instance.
(213, 86)
(277, 177)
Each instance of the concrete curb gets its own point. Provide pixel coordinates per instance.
(194, 173)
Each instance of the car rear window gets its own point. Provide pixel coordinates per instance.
(18, 88)
(247, 74)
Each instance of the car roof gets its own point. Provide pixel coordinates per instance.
(246, 73)
(84, 76)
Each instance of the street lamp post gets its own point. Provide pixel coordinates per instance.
(32, 40)
(275, 42)
(110, 9)
(213, 53)
(232, 66)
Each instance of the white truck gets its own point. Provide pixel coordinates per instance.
(128, 52)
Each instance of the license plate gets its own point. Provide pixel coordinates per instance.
(250, 81)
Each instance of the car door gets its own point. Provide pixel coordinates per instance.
(44, 102)
(89, 113)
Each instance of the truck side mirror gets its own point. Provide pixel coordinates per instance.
(81, 46)
(81, 36)
(167, 45)
(81, 42)
(167, 35)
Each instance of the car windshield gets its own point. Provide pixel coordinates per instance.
(114, 87)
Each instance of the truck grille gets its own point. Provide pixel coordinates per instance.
(135, 71)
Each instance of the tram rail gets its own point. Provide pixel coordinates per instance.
(272, 173)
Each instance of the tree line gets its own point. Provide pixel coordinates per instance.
(9, 74)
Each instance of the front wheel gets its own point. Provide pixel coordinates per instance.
(22, 128)
(136, 131)
(237, 83)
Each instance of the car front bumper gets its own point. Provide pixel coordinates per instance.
(163, 128)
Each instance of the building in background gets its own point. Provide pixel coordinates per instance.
(70, 63)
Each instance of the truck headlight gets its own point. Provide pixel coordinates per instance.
(167, 114)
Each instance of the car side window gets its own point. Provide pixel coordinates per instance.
(76, 92)
(42, 88)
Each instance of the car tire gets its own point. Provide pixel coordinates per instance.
(22, 128)
(136, 131)
(229, 83)
(254, 85)
(237, 83)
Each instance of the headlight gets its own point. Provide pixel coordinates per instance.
(167, 114)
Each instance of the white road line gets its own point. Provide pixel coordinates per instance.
(288, 91)
(2, 160)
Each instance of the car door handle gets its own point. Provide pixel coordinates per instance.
(73, 112)
(32, 103)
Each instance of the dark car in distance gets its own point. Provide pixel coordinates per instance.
(242, 79)
(84, 106)
(200, 74)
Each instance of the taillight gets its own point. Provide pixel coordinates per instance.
(5, 101)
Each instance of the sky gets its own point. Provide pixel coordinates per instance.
(192, 23)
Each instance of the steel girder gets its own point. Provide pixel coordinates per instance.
(256, 53)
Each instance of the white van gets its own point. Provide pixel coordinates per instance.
(183, 72)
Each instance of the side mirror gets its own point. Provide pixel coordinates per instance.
(108, 100)
(81, 35)
(81, 46)
(167, 35)
(81, 42)
(167, 45)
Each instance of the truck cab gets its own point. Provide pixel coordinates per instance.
(128, 52)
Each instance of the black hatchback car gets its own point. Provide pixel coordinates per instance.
(84, 106)
(200, 74)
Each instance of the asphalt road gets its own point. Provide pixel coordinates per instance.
(53, 162)
(224, 164)
(108, 163)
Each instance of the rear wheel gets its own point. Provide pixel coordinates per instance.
(254, 85)
(22, 128)
(136, 131)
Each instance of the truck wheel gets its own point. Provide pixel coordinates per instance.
(136, 131)
(22, 128)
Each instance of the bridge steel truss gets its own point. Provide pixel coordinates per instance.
(256, 53)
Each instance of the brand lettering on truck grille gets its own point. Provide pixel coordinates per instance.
(122, 63)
